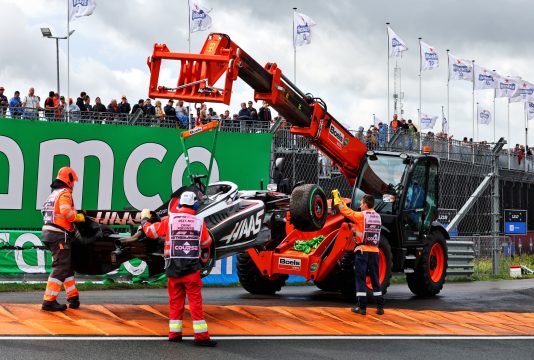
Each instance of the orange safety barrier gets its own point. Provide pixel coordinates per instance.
(152, 320)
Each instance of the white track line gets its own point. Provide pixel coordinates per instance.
(224, 338)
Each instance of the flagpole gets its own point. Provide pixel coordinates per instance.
(189, 26)
(473, 105)
(526, 136)
(294, 50)
(389, 114)
(68, 61)
(477, 124)
(448, 88)
(420, 66)
(494, 115)
(508, 105)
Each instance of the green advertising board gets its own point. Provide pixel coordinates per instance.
(118, 166)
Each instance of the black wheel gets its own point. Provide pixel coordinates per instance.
(385, 265)
(429, 275)
(253, 281)
(208, 258)
(331, 282)
(308, 207)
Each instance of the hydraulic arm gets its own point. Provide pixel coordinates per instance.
(200, 80)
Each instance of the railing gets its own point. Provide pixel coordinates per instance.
(402, 140)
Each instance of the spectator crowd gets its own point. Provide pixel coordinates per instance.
(57, 108)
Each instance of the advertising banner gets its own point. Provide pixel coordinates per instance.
(118, 166)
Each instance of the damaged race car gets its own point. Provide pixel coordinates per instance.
(237, 220)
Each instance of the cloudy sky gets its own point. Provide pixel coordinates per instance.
(346, 63)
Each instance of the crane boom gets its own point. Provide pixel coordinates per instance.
(308, 116)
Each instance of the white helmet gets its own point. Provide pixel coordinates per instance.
(188, 198)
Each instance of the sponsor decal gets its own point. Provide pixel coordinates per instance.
(289, 263)
(245, 228)
(431, 56)
(80, 2)
(118, 218)
(186, 248)
(395, 42)
(313, 267)
(337, 134)
(303, 28)
(488, 79)
(484, 115)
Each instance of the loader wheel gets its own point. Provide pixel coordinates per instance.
(332, 280)
(253, 281)
(385, 265)
(429, 276)
(308, 207)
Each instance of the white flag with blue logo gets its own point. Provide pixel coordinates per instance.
(396, 45)
(460, 69)
(485, 78)
(484, 115)
(530, 110)
(79, 8)
(525, 92)
(428, 121)
(507, 86)
(302, 30)
(429, 57)
(200, 20)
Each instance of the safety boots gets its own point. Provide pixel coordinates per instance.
(359, 310)
(380, 310)
(53, 306)
(74, 302)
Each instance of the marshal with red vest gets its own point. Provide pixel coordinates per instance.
(186, 236)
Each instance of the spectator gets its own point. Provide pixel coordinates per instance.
(62, 105)
(383, 134)
(411, 136)
(244, 113)
(226, 115)
(370, 140)
(182, 113)
(124, 106)
(139, 106)
(160, 114)
(203, 116)
(264, 114)
(170, 112)
(86, 116)
(113, 109)
(15, 105)
(99, 110)
(3, 102)
(252, 111)
(150, 110)
(395, 123)
(80, 101)
(359, 133)
(51, 105)
(74, 111)
(31, 105)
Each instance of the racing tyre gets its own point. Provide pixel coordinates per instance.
(429, 276)
(253, 281)
(207, 259)
(308, 207)
(385, 265)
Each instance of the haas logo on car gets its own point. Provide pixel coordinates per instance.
(245, 228)
(337, 134)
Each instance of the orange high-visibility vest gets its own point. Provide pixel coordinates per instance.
(58, 210)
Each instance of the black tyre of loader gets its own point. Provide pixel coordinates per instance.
(385, 263)
(308, 207)
(332, 280)
(429, 276)
(253, 281)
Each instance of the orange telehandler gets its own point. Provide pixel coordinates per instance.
(405, 186)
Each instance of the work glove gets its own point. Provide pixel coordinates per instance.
(79, 217)
(145, 214)
(337, 199)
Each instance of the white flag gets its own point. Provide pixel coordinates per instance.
(200, 20)
(483, 115)
(444, 123)
(429, 57)
(302, 30)
(485, 78)
(460, 69)
(530, 110)
(79, 8)
(428, 121)
(525, 93)
(396, 45)
(507, 86)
